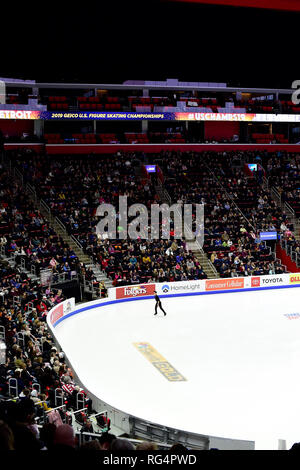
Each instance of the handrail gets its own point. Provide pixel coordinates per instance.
(275, 194)
(290, 209)
(229, 197)
(45, 207)
(59, 222)
(30, 188)
(62, 277)
(189, 233)
(290, 251)
(19, 175)
(56, 408)
(77, 242)
(89, 287)
(80, 435)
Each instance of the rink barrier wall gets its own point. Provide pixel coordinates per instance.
(120, 418)
(174, 289)
(110, 302)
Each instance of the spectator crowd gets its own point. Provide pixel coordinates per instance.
(237, 207)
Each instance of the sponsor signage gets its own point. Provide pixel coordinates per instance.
(269, 280)
(255, 282)
(135, 291)
(224, 284)
(173, 287)
(295, 278)
(61, 309)
(208, 285)
(56, 313)
(158, 361)
(268, 236)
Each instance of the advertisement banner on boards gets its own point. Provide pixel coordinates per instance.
(295, 278)
(225, 284)
(61, 309)
(141, 290)
(273, 280)
(179, 287)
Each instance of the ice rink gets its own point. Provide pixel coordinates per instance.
(239, 353)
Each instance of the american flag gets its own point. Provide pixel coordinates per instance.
(68, 388)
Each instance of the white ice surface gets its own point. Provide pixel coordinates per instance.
(238, 351)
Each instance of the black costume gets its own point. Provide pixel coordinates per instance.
(158, 304)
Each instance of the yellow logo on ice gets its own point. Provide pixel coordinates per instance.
(159, 362)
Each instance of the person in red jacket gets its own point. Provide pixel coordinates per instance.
(42, 309)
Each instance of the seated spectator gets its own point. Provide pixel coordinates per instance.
(147, 446)
(120, 445)
(105, 440)
(64, 438)
(7, 441)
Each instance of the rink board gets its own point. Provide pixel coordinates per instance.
(238, 352)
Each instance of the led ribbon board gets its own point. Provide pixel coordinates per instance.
(19, 114)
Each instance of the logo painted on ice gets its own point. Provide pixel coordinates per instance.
(292, 316)
(143, 345)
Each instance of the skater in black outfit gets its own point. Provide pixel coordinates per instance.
(158, 304)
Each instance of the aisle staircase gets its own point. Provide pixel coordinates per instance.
(285, 207)
(11, 261)
(201, 256)
(74, 245)
(59, 228)
(291, 215)
(191, 245)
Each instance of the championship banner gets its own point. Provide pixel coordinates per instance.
(87, 115)
(233, 117)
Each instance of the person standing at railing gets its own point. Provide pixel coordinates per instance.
(87, 427)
